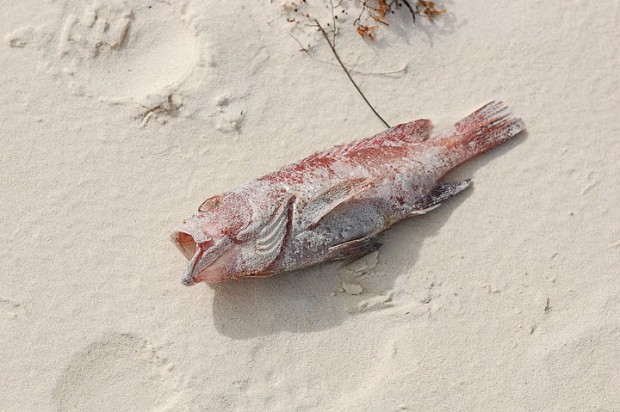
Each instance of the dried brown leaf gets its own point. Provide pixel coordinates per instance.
(429, 10)
(367, 32)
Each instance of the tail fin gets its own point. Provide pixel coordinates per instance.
(482, 130)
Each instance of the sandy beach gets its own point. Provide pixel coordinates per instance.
(120, 117)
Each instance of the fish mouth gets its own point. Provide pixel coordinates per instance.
(192, 250)
(184, 242)
(201, 255)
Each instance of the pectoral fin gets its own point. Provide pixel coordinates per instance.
(326, 202)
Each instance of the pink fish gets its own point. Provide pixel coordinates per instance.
(332, 205)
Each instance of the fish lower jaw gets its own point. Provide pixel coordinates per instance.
(188, 281)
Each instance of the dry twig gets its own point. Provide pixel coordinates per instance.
(331, 46)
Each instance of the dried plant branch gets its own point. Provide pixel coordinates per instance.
(379, 10)
(406, 3)
(331, 46)
(331, 2)
(385, 73)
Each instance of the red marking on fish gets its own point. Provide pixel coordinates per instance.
(333, 204)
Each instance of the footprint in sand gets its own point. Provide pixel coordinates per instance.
(10, 309)
(120, 51)
(126, 49)
(118, 372)
(229, 114)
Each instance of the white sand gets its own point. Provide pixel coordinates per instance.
(118, 119)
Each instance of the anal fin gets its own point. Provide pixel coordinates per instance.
(440, 193)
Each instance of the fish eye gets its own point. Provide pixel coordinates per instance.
(210, 204)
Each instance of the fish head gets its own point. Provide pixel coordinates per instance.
(210, 241)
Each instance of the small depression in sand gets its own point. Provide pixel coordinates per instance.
(118, 372)
(589, 353)
(123, 49)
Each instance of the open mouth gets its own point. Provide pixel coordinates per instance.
(192, 251)
(195, 253)
(184, 242)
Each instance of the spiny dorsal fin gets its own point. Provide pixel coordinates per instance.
(413, 132)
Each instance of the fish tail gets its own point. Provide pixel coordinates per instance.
(487, 127)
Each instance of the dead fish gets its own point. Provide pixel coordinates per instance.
(332, 205)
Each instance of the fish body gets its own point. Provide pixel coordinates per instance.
(333, 204)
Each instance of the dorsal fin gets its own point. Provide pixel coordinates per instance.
(412, 132)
